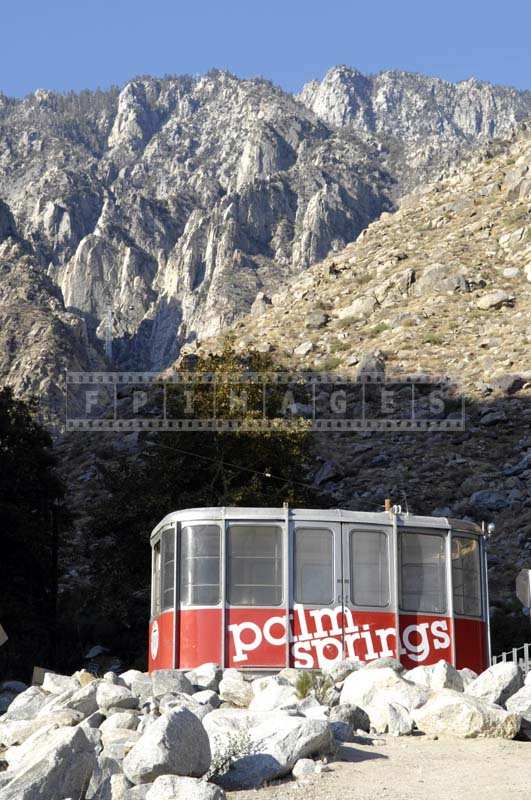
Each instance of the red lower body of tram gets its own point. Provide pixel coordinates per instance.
(262, 639)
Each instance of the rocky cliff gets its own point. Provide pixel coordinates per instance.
(443, 287)
(167, 206)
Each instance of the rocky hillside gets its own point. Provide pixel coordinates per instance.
(442, 286)
(170, 204)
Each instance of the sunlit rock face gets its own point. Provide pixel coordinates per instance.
(165, 207)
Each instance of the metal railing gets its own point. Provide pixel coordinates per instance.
(520, 655)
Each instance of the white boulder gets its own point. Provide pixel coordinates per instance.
(400, 720)
(445, 676)
(276, 743)
(207, 676)
(368, 687)
(109, 695)
(84, 699)
(57, 684)
(173, 681)
(124, 720)
(233, 688)
(61, 767)
(173, 787)
(26, 705)
(520, 703)
(274, 695)
(467, 676)
(207, 697)
(497, 683)
(304, 766)
(450, 713)
(175, 744)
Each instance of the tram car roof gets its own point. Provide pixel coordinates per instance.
(331, 515)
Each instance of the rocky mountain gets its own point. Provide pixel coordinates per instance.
(443, 287)
(163, 209)
(423, 123)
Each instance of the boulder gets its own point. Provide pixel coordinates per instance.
(207, 697)
(170, 701)
(207, 676)
(277, 743)
(346, 719)
(117, 742)
(339, 671)
(445, 676)
(18, 731)
(304, 766)
(467, 676)
(368, 687)
(173, 787)
(104, 769)
(170, 681)
(274, 695)
(450, 713)
(26, 705)
(60, 768)
(303, 348)
(359, 309)
(142, 687)
(139, 792)
(109, 695)
(234, 689)
(114, 788)
(57, 684)
(175, 744)
(497, 683)
(16, 754)
(125, 720)
(129, 677)
(379, 716)
(84, 699)
(495, 300)
(388, 661)
(520, 703)
(421, 676)
(400, 721)
(112, 677)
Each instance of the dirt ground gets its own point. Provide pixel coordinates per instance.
(414, 768)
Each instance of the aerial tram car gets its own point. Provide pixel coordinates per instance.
(265, 588)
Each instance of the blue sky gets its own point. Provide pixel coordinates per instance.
(75, 44)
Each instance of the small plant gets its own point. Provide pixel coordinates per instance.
(228, 750)
(330, 363)
(381, 327)
(432, 338)
(313, 683)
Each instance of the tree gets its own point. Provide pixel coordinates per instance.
(30, 505)
(186, 470)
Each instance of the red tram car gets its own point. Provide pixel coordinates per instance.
(265, 588)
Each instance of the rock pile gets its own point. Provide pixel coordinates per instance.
(172, 735)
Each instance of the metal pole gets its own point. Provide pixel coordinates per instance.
(486, 595)
(396, 584)
(288, 550)
(223, 586)
(450, 592)
(176, 596)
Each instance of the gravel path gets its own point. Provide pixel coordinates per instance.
(415, 768)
